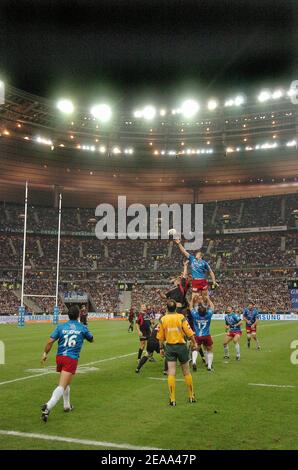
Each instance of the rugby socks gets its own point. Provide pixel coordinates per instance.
(142, 361)
(226, 350)
(258, 344)
(172, 387)
(237, 349)
(66, 397)
(189, 384)
(209, 359)
(201, 353)
(248, 342)
(57, 394)
(194, 357)
(140, 354)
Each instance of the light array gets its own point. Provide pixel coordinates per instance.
(188, 108)
(264, 146)
(116, 150)
(188, 151)
(42, 140)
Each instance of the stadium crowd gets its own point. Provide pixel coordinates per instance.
(249, 266)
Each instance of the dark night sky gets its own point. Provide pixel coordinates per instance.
(127, 48)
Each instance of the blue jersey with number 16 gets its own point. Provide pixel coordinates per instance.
(70, 336)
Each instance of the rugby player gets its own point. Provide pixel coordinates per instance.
(250, 316)
(131, 317)
(70, 337)
(143, 325)
(200, 270)
(152, 346)
(233, 332)
(173, 327)
(179, 291)
(201, 320)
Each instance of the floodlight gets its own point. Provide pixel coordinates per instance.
(102, 112)
(65, 106)
(212, 104)
(229, 102)
(277, 94)
(149, 112)
(189, 108)
(264, 96)
(239, 100)
(138, 114)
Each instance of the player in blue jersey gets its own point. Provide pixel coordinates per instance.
(200, 270)
(233, 332)
(201, 322)
(250, 316)
(70, 337)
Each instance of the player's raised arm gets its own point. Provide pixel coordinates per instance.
(185, 268)
(161, 294)
(210, 303)
(182, 249)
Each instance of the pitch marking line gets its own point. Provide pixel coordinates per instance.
(86, 442)
(50, 369)
(91, 363)
(272, 385)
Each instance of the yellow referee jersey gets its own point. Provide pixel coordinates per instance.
(173, 327)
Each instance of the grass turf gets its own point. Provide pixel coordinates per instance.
(114, 404)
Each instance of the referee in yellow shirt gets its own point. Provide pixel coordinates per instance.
(173, 327)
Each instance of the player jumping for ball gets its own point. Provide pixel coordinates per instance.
(233, 332)
(250, 316)
(200, 270)
(70, 336)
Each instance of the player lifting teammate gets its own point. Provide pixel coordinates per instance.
(179, 291)
(70, 336)
(201, 320)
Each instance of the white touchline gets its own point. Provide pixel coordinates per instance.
(86, 442)
(24, 378)
(272, 385)
(50, 370)
(94, 362)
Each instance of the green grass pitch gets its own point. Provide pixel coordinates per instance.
(113, 404)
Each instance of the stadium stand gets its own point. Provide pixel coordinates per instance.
(250, 266)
